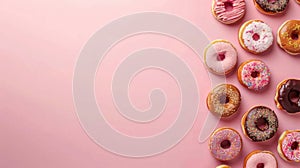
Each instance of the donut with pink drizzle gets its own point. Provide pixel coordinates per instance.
(220, 57)
(225, 144)
(260, 159)
(228, 11)
(289, 145)
(255, 36)
(254, 75)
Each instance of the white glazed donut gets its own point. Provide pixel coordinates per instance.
(255, 36)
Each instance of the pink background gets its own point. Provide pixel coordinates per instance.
(40, 42)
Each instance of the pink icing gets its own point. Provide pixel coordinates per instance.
(266, 159)
(259, 82)
(238, 10)
(289, 153)
(225, 154)
(221, 66)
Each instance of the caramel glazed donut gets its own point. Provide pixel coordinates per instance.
(298, 1)
(259, 124)
(287, 96)
(288, 37)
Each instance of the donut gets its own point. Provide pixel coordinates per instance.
(289, 145)
(220, 57)
(288, 37)
(271, 7)
(225, 144)
(224, 100)
(260, 159)
(223, 166)
(255, 36)
(254, 75)
(287, 96)
(259, 124)
(228, 11)
(298, 1)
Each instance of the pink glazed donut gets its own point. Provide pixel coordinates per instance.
(289, 146)
(260, 159)
(254, 75)
(228, 11)
(225, 144)
(220, 57)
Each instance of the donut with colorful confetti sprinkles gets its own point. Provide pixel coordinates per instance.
(225, 144)
(260, 159)
(255, 36)
(289, 145)
(260, 124)
(254, 75)
(271, 7)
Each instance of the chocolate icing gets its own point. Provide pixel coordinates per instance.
(251, 126)
(291, 85)
(274, 7)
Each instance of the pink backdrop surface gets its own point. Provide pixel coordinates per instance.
(40, 42)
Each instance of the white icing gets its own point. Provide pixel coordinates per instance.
(265, 40)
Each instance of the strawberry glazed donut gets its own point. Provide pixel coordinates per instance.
(255, 36)
(289, 146)
(260, 159)
(228, 11)
(254, 75)
(220, 57)
(225, 144)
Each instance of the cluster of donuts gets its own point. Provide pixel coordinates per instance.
(260, 123)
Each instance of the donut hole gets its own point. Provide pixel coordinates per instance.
(223, 99)
(295, 35)
(271, 1)
(260, 165)
(221, 56)
(225, 144)
(262, 124)
(294, 96)
(228, 6)
(295, 145)
(255, 74)
(255, 37)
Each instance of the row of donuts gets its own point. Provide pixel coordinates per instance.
(224, 100)
(256, 37)
(226, 144)
(231, 11)
(220, 56)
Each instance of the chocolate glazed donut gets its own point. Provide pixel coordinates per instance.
(288, 96)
